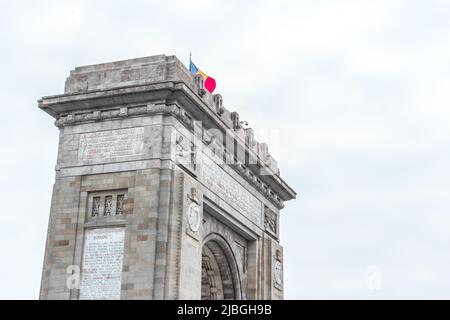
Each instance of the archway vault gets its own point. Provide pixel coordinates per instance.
(220, 274)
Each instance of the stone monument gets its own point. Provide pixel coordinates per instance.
(160, 192)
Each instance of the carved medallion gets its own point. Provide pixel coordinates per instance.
(194, 216)
(278, 273)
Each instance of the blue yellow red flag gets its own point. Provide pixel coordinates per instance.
(209, 82)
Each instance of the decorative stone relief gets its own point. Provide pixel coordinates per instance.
(194, 215)
(218, 101)
(235, 120)
(250, 137)
(95, 206)
(263, 151)
(199, 81)
(278, 273)
(241, 255)
(193, 196)
(270, 220)
(185, 152)
(108, 206)
(119, 204)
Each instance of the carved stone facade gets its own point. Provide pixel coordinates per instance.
(160, 192)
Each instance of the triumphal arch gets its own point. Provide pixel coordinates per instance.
(160, 192)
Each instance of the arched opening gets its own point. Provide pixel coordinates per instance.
(220, 278)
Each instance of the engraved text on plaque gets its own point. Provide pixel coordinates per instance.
(111, 145)
(226, 187)
(102, 263)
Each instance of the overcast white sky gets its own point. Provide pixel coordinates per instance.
(359, 90)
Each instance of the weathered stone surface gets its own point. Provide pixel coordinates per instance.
(127, 169)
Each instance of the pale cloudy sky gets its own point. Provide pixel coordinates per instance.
(358, 89)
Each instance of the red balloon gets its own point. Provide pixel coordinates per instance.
(210, 84)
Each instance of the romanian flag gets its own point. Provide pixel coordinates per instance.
(209, 83)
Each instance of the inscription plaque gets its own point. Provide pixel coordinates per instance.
(231, 191)
(102, 263)
(111, 145)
